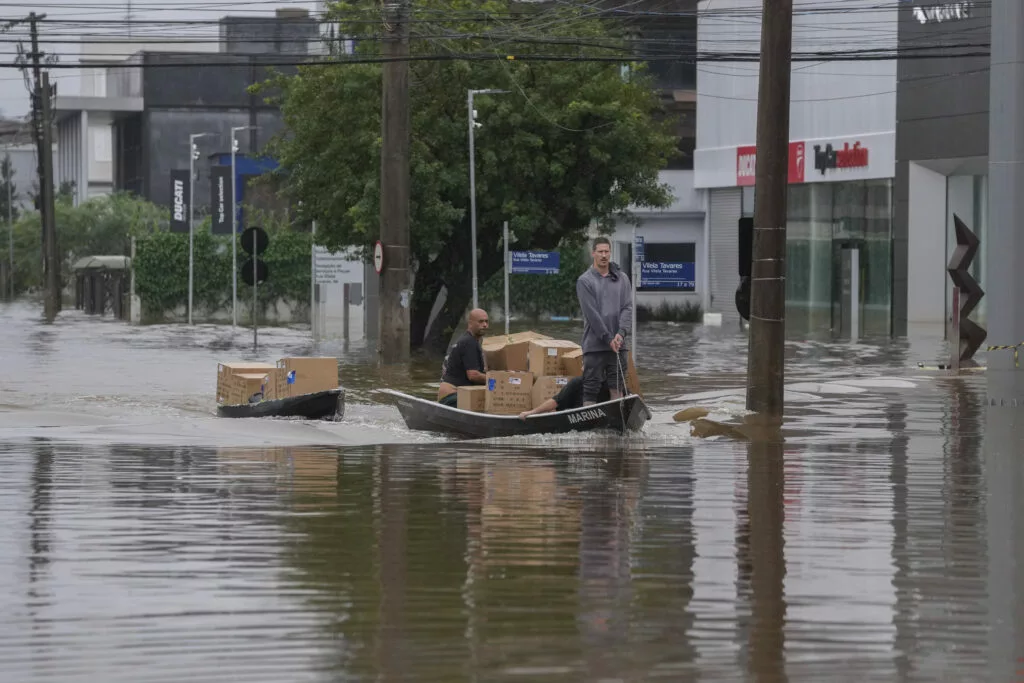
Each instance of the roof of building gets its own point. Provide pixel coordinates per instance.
(102, 263)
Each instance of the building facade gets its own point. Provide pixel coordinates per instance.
(839, 275)
(942, 141)
(671, 242)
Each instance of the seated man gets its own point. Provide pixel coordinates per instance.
(571, 396)
(464, 364)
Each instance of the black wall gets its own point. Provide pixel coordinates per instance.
(942, 102)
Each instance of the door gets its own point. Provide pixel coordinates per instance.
(848, 268)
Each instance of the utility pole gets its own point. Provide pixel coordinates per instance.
(395, 282)
(766, 354)
(471, 116)
(52, 302)
(41, 128)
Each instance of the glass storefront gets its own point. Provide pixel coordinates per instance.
(830, 227)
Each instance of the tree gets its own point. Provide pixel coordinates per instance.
(573, 144)
(8, 190)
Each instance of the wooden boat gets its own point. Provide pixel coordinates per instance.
(321, 405)
(629, 413)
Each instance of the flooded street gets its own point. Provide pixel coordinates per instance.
(147, 540)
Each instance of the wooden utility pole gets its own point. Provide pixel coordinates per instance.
(766, 355)
(395, 278)
(52, 255)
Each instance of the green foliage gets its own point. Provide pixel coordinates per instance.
(536, 295)
(8, 190)
(689, 312)
(102, 226)
(573, 144)
(161, 271)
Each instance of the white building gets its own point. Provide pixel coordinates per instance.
(842, 160)
(674, 247)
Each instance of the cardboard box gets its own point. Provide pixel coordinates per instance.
(509, 353)
(302, 375)
(572, 363)
(508, 393)
(226, 370)
(546, 387)
(546, 356)
(473, 398)
(244, 385)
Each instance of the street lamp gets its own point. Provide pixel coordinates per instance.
(234, 227)
(472, 180)
(192, 157)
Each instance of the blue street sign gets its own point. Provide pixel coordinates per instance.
(661, 275)
(639, 247)
(535, 262)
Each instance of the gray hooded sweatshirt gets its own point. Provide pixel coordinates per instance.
(607, 305)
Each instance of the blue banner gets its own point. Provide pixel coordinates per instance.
(535, 262)
(662, 275)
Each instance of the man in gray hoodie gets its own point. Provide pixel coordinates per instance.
(606, 300)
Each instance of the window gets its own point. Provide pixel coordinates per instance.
(102, 144)
(668, 267)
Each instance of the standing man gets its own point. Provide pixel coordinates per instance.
(605, 298)
(464, 364)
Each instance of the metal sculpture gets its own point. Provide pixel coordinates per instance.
(971, 334)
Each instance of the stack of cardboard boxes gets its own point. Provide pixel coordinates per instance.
(523, 371)
(238, 382)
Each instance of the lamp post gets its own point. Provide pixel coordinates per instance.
(234, 226)
(472, 180)
(193, 155)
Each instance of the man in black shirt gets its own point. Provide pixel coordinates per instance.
(571, 396)
(464, 363)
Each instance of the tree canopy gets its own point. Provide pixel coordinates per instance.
(573, 142)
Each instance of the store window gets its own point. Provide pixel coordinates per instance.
(824, 219)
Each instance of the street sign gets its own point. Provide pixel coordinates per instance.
(255, 241)
(378, 257)
(181, 201)
(261, 272)
(638, 245)
(535, 262)
(334, 268)
(663, 275)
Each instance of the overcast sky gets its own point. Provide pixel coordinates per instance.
(14, 99)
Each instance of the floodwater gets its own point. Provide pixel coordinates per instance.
(145, 540)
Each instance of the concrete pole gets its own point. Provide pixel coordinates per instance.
(10, 223)
(1005, 242)
(234, 233)
(766, 354)
(191, 217)
(395, 279)
(472, 193)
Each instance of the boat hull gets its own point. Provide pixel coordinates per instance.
(622, 415)
(321, 405)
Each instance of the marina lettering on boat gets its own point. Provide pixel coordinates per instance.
(585, 416)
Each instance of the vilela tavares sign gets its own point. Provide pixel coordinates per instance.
(665, 275)
(535, 262)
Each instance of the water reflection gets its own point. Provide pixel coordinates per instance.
(762, 575)
(891, 558)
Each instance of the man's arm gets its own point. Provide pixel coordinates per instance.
(587, 297)
(471, 361)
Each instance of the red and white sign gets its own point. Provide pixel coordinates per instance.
(830, 158)
(378, 257)
(746, 163)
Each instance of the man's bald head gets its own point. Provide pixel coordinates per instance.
(477, 322)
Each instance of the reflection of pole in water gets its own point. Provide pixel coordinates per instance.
(390, 522)
(39, 514)
(764, 570)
